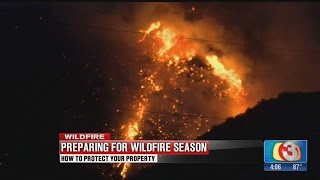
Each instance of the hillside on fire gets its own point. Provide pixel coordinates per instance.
(158, 71)
(289, 116)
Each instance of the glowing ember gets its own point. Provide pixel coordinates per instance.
(192, 9)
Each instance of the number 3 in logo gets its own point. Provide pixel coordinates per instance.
(289, 151)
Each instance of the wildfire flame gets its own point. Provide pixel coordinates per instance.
(174, 53)
(235, 90)
(152, 27)
(131, 132)
(168, 38)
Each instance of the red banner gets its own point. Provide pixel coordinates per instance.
(173, 147)
(84, 136)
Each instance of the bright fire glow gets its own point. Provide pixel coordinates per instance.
(172, 55)
(168, 38)
(152, 27)
(230, 76)
(131, 132)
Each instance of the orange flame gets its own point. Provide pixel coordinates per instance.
(169, 43)
(230, 76)
(168, 38)
(175, 52)
(152, 27)
(131, 133)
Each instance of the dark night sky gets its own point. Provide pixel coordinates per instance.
(56, 77)
(44, 80)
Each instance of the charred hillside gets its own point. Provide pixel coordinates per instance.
(289, 116)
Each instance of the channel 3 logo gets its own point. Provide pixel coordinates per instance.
(286, 151)
(285, 155)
